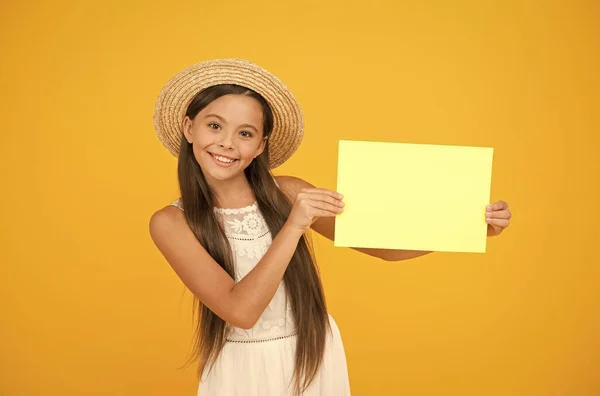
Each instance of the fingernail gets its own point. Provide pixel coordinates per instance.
(489, 207)
(340, 195)
(488, 214)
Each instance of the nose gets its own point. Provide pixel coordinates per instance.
(226, 141)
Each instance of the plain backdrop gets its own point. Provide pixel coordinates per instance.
(90, 307)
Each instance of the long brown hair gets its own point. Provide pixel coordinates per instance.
(302, 281)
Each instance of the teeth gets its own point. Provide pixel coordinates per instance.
(223, 159)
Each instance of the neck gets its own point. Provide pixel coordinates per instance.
(231, 193)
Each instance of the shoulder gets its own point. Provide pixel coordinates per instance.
(292, 185)
(292, 182)
(166, 220)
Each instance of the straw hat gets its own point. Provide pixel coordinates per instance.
(178, 92)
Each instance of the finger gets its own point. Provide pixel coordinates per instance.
(503, 223)
(334, 194)
(325, 209)
(500, 214)
(500, 205)
(325, 198)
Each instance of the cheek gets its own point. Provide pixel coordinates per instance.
(201, 143)
(203, 140)
(248, 151)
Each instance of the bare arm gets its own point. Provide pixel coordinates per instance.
(238, 304)
(392, 254)
(253, 293)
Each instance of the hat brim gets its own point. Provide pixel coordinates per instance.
(175, 97)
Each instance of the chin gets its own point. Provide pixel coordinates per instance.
(217, 173)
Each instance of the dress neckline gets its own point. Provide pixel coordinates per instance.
(245, 209)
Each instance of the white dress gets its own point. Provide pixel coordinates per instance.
(260, 361)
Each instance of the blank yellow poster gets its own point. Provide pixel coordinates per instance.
(413, 196)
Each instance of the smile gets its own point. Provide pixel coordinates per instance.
(222, 161)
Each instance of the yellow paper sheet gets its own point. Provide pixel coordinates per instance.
(413, 196)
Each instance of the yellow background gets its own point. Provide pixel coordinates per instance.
(90, 307)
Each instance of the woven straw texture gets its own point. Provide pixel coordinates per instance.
(178, 92)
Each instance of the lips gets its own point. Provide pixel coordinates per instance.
(220, 155)
(220, 163)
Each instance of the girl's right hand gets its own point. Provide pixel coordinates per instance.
(312, 203)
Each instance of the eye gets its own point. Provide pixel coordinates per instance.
(212, 125)
(248, 134)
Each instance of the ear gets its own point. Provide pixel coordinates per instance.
(187, 129)
(261, 147)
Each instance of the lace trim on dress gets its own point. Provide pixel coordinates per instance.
(245, 228)
(251, 224)
(246, 209)
(251, 249)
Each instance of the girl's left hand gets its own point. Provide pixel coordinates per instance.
(498, 217)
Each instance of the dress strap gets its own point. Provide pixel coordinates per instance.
(177, 203)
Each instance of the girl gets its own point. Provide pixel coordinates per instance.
(237, 236)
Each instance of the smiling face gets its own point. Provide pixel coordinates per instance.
(226, 135)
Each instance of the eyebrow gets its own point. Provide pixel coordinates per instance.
(223, 120)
